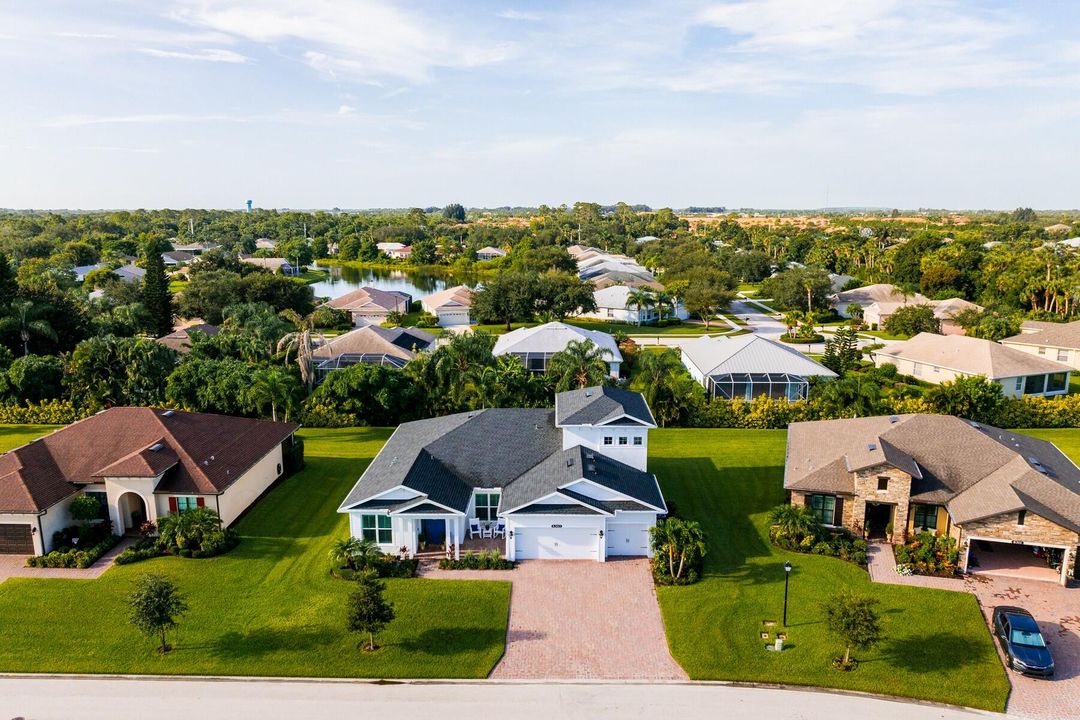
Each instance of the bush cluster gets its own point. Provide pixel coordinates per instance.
(47, 412)
(823, 541)
(385, 566)
(68, 556)
(477, 561)
(929, 554)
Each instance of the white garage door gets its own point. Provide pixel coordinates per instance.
(555, 543)
(454, 318)
(628, 539)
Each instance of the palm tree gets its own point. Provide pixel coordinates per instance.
(343, 552)
(793, 521)
(301, 340)
(581, 364)
(792, 320)
(851, 394)
(22, 318)
(188, 528)
(272, 387)
(639, 298)
(679, 541)
(663, 302)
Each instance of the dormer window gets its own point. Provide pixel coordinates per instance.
(608, 440)
(638, 440)
(623, 440)
(882, 483)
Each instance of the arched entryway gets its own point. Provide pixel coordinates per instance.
(132, 511)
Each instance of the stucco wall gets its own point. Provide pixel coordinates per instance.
(634, 455)
(248, 487)
(1072, 356)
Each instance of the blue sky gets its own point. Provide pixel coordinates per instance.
(753, 103)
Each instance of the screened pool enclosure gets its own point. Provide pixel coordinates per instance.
(747, 386)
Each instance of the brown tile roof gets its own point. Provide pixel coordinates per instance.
(1055, 335)
(180, 340)
(396, 342)
(210, 452)
(970, 356)
(977, 471)
(369, 298)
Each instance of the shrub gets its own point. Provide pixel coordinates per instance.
(483, 561)
(48, 412)
(929, 554)
(66, 556)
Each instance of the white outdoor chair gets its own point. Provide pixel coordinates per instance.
(488, 530)
(499, 530)
(474, 528)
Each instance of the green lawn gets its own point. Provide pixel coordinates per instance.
(267, 608)
(938, 646)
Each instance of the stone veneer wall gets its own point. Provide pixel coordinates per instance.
(1036, 530)
(847, 514)
(898, 494)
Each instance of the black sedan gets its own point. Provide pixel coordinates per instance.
(1020, 638)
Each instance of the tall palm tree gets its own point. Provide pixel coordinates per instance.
(640, 298)
(22, 319)
(663, 302)
(302, 341)
(581, 364)
(273, 387)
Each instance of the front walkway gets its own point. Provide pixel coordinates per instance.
(580, 619)
(15, 566)
(1056, 608)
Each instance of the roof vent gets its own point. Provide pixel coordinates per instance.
(157, 447)
(871, 446)
(168, 413)
(569, 462)
(589, 455)
(588, 393)
(592, 468)
(893, 419)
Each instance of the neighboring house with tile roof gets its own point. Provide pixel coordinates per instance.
(613, 305)
(196, 248)
(274, 265)
(180, 340)
(371, 345)
(1054, 341)
(574, 487)
(876, 314)
(937, 358)
(395, 250)
(868, 295)
(490, 253)
(141, 464)
(176, 258)
(534, 346)
(371, 306)
(744, 367)
(451, 307)
(979, 484)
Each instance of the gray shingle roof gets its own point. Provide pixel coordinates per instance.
(518, 450)
(557, 509)
(600, 405)
(1056, 335)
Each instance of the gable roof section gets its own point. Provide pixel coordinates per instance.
(369, 298)
(211, 451)
(880, 292)
(970, 355)
(1055, 335)
(396, 342)
(749, 354)
(180, 340)
(601, 405)
(554, 337)
(457, 296)
(147, 462)
(977, 471)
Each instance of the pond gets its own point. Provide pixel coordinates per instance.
(418, 283)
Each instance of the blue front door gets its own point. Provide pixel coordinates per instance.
(434, 530)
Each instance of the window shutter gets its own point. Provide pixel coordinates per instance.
(172, 505)
(808, 500)
(200, 502)
(838, 515)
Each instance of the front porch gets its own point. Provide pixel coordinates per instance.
(467, 545)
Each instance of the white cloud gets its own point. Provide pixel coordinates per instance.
(346, 110)
(367, 40)
(68, 121)
(216, 55)
(520, 15)
(85, 35)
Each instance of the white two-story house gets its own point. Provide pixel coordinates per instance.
(569, 483)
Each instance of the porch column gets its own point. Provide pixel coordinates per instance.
(457, 539)
(1065, 567)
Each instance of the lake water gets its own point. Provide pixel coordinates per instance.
(415, 282)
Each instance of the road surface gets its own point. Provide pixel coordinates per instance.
(87, 698)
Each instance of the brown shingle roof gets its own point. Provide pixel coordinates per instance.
(210, 452)
(396, 342)
(180, 340)
(373, 299)
(970, 356)
(978, 471)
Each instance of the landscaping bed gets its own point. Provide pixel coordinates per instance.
(927, 554)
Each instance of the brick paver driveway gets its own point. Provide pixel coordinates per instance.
(1056, 608)
(581, 619)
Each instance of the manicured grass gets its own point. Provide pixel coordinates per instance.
(267, 608)
(12, 436)
(884, 335)
(938, 647)
(1066, 439)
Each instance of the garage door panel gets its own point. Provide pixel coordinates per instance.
(628, 539)
(16, 539)
(555, 543)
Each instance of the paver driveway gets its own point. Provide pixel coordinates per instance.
(1057, 610)
(581, 619)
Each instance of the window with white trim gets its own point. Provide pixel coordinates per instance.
(186, 503)
(623, 440)
(487, 506)
(1063, 356)
(376, 528)
(638, 440)
(608, 440)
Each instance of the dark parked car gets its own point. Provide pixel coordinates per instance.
(1020, 638)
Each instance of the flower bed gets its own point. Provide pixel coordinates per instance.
(832, 543)
(928, 554)
(74, 557)
(477, 561)
(802, 339)
(385, 566)
(152, 547)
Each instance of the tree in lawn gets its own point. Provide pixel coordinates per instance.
(506, 298)
(156, 604)
(793, 521)
(678, 548)
(156, 296)
(354, 553)
(912, 320)
(369, 612)
(974, 398)
(853, 619)
(579, 365)
(842, 351)
(274, 387)
(708, 291)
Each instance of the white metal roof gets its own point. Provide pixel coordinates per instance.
(553, 337)
(748, 354)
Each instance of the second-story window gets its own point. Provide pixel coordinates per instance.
(608, 440)
(883, 482)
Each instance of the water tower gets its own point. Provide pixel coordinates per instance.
(249, 206)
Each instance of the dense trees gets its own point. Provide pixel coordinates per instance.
(798, 289)
(912, 320)
(211, 291)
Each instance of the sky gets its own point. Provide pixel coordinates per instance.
(365, 103)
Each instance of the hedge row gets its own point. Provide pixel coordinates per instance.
(48, 412)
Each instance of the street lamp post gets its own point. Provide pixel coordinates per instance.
(787, 577)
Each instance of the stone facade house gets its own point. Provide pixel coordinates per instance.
(893, 477)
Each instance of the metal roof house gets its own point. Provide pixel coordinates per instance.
(748, 366)
(574, 486)
(535, 346)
